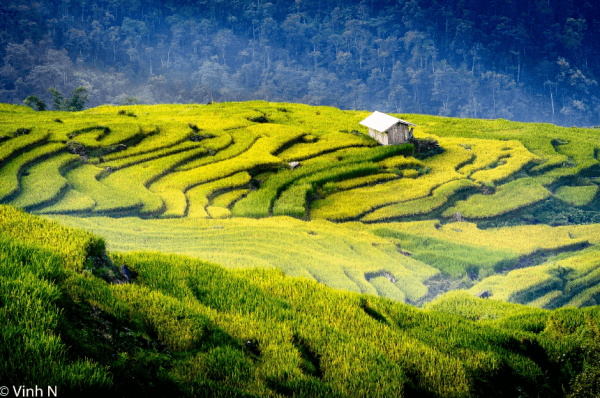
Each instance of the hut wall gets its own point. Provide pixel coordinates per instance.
(398, 134)
(382, 138)
(393, 134)
(404, 129)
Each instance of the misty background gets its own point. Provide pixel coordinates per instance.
(534, 60)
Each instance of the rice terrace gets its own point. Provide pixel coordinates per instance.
(276, 250)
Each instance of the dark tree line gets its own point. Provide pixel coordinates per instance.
(533, 60)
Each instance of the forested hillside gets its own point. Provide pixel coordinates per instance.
(528, 61)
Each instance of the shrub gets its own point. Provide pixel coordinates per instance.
(35, 102)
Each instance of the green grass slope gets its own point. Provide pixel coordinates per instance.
(147, 323)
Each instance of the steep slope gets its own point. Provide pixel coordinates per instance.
(134, 324)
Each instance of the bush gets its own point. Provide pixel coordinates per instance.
(129, 101)
(36, 103)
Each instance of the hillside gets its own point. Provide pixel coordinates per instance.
(99, 324)
(507, 207)
(534, 61)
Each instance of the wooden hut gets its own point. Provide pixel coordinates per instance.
(388, 130)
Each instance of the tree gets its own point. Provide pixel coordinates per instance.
(133, 31)
(60, 61)
(36, 103)
(75, 103)
(210, 76)
(222, 40)
(18, 61)
(58, 99)
(78, 100)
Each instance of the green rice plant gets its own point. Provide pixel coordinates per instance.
(228, 198)
(494, 160)
(508, 197)
(358, 277)
(75, 245)
(518, 157)
(10, 173)
(540, 139)
(255, 330)
(73, 201)
(325, 143)
(218, 143)
(577, 196)
(327, 120)
(410, 173)
(551, 162)
(378, 153)
(587, 232)
(135, 179)
(149, 156)
(354, 203)
(177, 326)
(30, 317)
(544, 284)
(218, 212)
(401, 162)
(525, 239)
(589, 297)
(338, 155)
(449, 257)
(589, 281)
(259, 203)
(171, 188)
(314, 249)
(387, 289)
(21, 143)
(372, 323)
(198, 196)
(438, 198)
(469, 307)
(486, 153)
(358, 182)
(520, 286)
(242, 139)
(583, 155)
(85, 180)
(292, 201)
(45, 183)
(158, 138)
(16, 109)
(544, 300)
(409, 282)
(555, 175)
(104, 136)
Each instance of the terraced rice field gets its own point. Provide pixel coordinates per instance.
(220, 182)
(94, 322)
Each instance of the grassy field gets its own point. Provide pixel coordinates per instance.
(97, 323)
(182, 251)
(213, 181)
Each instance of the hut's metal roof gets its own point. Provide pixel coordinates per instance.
(382, 122)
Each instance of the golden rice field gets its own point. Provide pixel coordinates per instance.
(217, 182)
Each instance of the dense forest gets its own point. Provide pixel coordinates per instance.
(521, 60)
